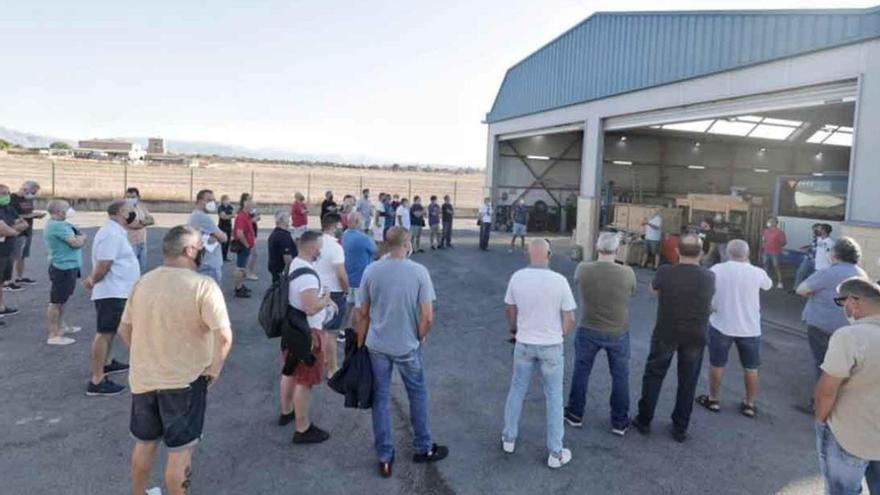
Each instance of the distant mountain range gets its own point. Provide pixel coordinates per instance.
(30, 140)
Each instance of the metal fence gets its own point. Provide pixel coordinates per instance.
(80, 179)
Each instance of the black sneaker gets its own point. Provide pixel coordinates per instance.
(115, 367)
(312, 435)
(26, 281)
(642, 428)
(8, 311)
(433, 248)
(573, 420)
(12, 287)
(437, 453)
(286, 419)
(242, 293)
(678, 435)
(2, 323)
(105, 388)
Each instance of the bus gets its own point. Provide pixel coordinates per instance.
(802, 200)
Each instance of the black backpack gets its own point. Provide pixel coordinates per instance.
(273, 309)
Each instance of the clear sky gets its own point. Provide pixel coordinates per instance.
(403, 80)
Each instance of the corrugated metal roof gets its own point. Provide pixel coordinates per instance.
(611, 53)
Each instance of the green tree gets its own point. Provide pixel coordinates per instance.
(59, 145)
(4, 144)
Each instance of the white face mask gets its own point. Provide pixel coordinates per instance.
(69, 214)
(211, 206)
(131, 201)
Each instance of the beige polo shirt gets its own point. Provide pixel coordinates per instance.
(854, 354)
(174, 314)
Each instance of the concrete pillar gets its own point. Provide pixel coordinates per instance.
(591, 170)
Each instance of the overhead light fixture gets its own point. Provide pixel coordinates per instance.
(697, 167)
(762, 170)
(622, 162)
(762, 150)
(537, 157)
(819, 155)
(818, 174)
(623, 138)
(698, 144)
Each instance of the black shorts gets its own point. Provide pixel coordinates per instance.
(23, 246)
(6, 266)
(63, 284)
(176, 416)
(109, 314)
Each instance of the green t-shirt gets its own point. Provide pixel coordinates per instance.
(61, 255)
(605, 290)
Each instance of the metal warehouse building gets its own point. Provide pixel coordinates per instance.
(781, 108)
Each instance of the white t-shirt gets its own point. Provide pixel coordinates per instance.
(652, 234)
(111, 244)
(485, 213)
(402, 218)
(380, 213)
(823, 253)
(737, 300)
(302, 284)
(540, 296)
(332, 254)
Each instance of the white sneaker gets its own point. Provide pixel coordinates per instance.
(779, 286)
(252, 277)
(71, 329)
(508, 447)
(554, 462)
(154, 491)
(60, 340)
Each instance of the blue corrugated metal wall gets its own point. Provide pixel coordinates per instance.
(612, 53)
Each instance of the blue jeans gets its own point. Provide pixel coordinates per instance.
(842, 471)
(410, 368)
(140, 251)
(818, 340)
(211, 271)
(551, 364)
(587, 344)
(805, 269)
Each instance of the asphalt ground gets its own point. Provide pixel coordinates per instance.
(55, 440)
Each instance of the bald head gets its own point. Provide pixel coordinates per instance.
(690, 247)
(355, 220)
(539, 252)
(396, 238)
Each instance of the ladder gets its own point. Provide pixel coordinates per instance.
(636, 185)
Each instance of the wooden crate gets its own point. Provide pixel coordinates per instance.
(630, 253)
(631, 217)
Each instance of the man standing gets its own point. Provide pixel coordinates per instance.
(736, 320)
(417, 220)
(137, 230)
(824, 247)
(64, 244)
(178, 334)
(685, 294)
(359, 252)
(402, 215)
(540, 312)
(365, 208)
(282, 249)
(115, 269)
(23, 204)
(328, 205)
(808, 262)
(395, 304)
(225, 215)
(434, 222)
(245, 236)
(519, 215)
(11, 226)
(605, 290)
(299, 215)
(389, 209)
(334, 279)
(653, 236)
(212, 236)
(484, 218)
(821, 315)
(773, 239)
(847, 402)
(447, 213)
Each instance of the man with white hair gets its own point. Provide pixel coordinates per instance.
(736, 319)
(64, 244)
(23, 204)
(605, 290)
(540, 312)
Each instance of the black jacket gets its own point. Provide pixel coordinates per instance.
(354, 379)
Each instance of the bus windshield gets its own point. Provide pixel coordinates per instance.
(821, 198)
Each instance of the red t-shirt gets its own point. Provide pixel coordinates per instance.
(298, 217)
(669, 249)
(244, 224)
(774, 239)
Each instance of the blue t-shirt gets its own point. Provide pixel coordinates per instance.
(433, 214)
(519, 214)
(61, 254)
(394, 289)
(820, 310)
(359, 251)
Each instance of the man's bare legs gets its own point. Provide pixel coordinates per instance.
(178, 471)
(328, 344)
(714, 382)
(100, 352)
(142, 456)
(53, 318)
(751, 380)
(286, 389)
(302, 399)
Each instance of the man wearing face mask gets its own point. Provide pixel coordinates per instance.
(178, 332)
(11, 226)
(64, 244)
(23, 204)
(212, 236)
(115, 269)
(137, 230)
(846, 398)
(773, 239)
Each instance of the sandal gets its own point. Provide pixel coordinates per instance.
(710, 404)
(748, 410)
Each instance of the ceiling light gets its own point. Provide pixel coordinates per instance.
(623, 138)
(696, 167)
(697, 144)
(762, 170)
(819, 155)
(622, 162)
(537, 157)
(762, 150)
(818, 174)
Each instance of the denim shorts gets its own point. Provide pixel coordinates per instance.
(242, 257)
(177, 416)
(652, 248)
(519, 229)
(749, 349)
(336, 322)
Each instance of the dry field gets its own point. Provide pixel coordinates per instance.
(88, 179)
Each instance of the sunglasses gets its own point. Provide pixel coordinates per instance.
(841, 300)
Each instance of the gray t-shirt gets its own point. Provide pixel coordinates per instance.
(202, 222)
(820, 310)
(394, 289)
(605, 290)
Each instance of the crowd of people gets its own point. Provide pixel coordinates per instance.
(354, 281)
